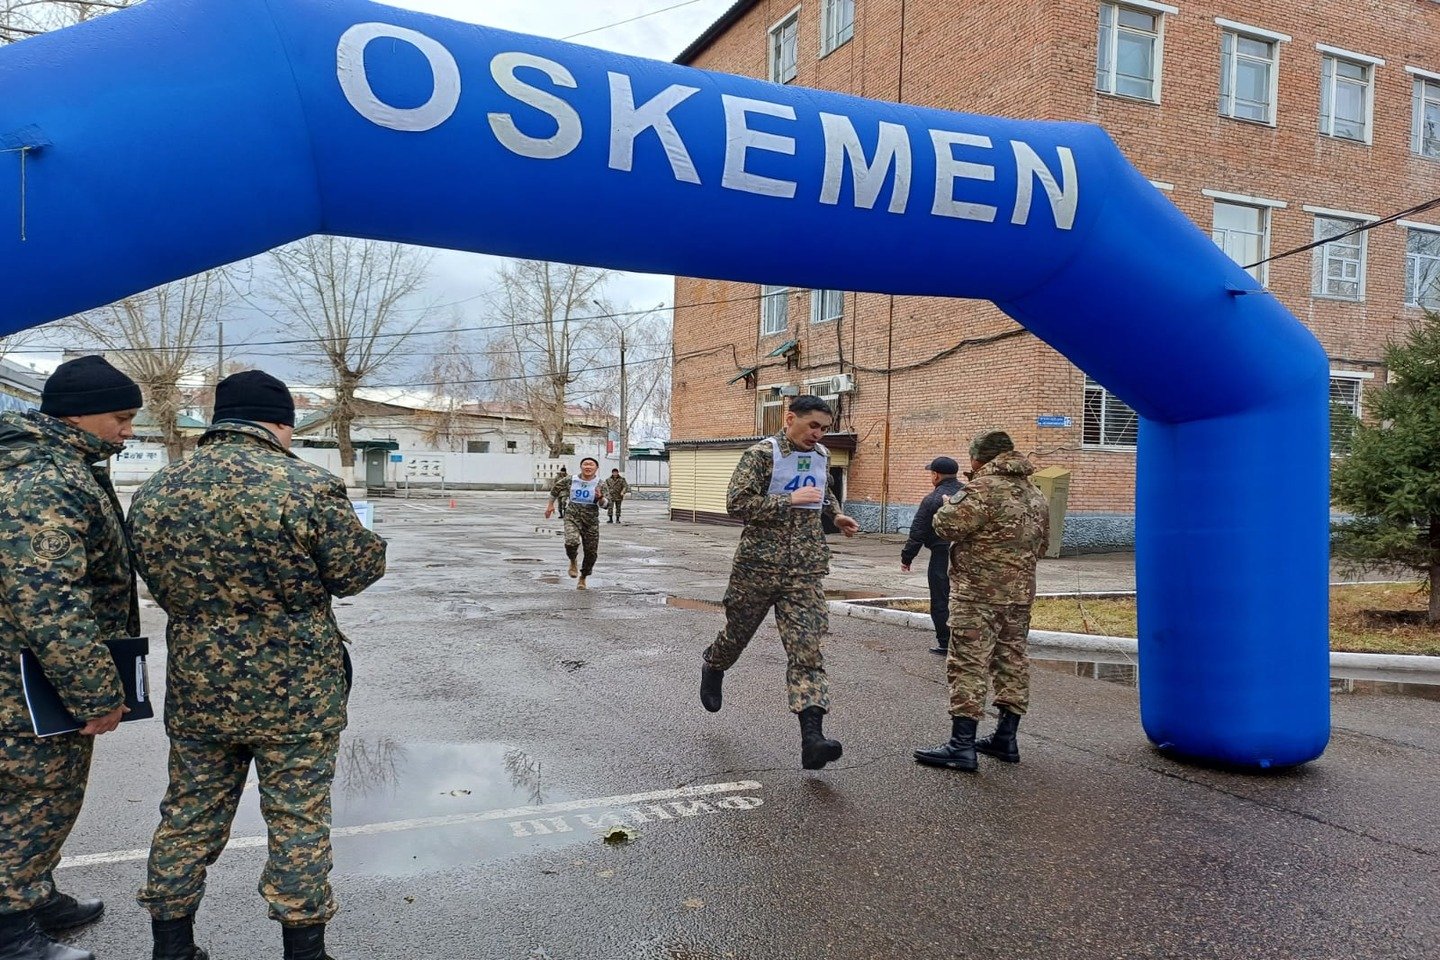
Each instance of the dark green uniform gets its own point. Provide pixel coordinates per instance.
(582, 523)
(244, 545)
(999, 524)
(781, 562)
(616, 489)
(66, 585)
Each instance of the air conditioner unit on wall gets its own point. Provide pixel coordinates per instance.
(842, 383)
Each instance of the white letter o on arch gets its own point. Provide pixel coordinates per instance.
(350, 61)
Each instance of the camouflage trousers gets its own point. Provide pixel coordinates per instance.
(801, 615)
(42, 784)
(207, 779)
(582, 526)
(613, 507)
(987, 641)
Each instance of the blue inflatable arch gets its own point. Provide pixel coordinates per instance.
(184, 134)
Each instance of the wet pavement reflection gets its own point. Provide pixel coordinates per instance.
(1126, 673)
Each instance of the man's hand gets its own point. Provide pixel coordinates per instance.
(549, 509)
(904, 568)
(106, 723)
(847, 525)
(806, 496)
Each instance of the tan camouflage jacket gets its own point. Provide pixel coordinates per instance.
(778, 538)
(243, 545)
(560, 491)
(66, 583)
(1000, 525)
(615, 488)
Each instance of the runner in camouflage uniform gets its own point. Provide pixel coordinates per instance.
(1000, 525)
(66, 585)
(580, 499)
(781, 490)
(243, 545)
(617, 488)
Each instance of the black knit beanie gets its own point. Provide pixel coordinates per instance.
(88, 385)
(254, 395)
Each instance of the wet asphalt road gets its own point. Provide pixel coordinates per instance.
(503, 723)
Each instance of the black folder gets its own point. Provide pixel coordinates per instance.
(48, 715)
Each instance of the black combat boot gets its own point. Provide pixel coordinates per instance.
(305, 943)
(22, 939)
(959, 753)
(63, 912)
(1001, 744)
(710, 681)
(815, 750)
(175, 940)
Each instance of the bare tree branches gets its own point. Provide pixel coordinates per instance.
(349, 295)
(553, 343)
(26, 18)
(155, 335)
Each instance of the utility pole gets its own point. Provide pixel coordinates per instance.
(219, 365)
(624, 405)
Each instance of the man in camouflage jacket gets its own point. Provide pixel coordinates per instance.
(244, 545)
(781, 562)
(999, 525)
(66, 585)
(582, 520)
(617, 488)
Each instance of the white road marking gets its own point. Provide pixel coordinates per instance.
(459, 819)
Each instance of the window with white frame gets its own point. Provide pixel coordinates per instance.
(1249, 66)
(837, 24)
(1109, 421)
(1422, 268)
(771, 413)
(1345, 98)
(1242, 231)
(1345, 409)
(1130, 50)
(1425, 133)
(774, 310)
(785, 48)
(826, 305)
(821, 388)
(1339, 266)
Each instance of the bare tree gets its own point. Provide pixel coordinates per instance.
(154, 337)
(350, 296)
(555, 340)
(638, 369)
(26, 18)
(451, 374)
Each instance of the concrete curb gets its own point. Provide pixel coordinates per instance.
(1389, 663)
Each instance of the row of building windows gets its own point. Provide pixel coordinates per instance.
(1130, 59)
(1242, 230)
(837, 26)
(1108, 423)
(1131, 52)
(1241, 227)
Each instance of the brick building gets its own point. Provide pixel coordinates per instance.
(1270, 124)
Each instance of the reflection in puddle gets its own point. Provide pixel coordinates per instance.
(379, 781)
(1126, 673)
(685, 603)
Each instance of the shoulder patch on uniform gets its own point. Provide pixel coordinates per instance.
(52, 543)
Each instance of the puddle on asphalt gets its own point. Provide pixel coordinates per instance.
(382, 784)
(686, 603)
(524, 560)
(1126, 673)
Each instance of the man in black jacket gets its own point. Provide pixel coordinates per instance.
(943, 474)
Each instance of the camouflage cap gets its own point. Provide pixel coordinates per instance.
(990, 445)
